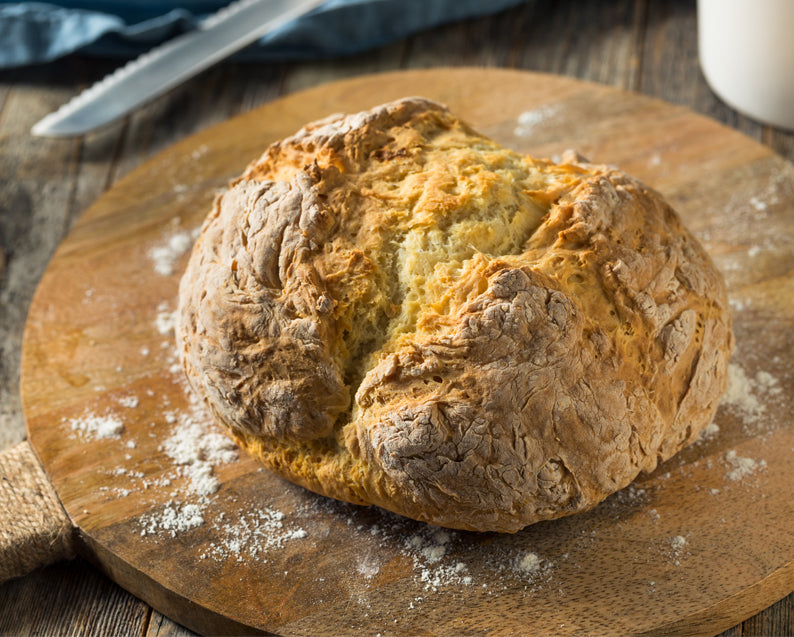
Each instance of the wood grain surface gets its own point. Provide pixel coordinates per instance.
(697, 546)
(649, 47)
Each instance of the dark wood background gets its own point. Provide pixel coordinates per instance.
(641, 45)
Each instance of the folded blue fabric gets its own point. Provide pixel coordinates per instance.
(35, 32)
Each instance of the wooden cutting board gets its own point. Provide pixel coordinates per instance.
(220, 545)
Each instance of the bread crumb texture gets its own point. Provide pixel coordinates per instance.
(389, 308)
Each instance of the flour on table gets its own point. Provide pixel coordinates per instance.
(529, 120)
(165, 321)
(196, 446)
(131, 402)
(428, 550)
(252, 535)
(758, 204)
(742, 393)
(428, 553)
(678, 546)
(528, 563)
(200, 151)
(368, 565)
(94, 426)
(742, 467)
(165, 255)
(709, 432)
(175, 518)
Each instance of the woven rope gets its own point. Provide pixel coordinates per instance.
(34, 528)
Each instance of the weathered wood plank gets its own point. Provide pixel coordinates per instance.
(488, 41)
(44, 185)
(776, 620)
(69, 599)
(670, 66)
(249, 85)
(161, 626)
(583, 40)
(782, 142)
(304, 75)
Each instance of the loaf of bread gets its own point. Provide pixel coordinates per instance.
(389, 308)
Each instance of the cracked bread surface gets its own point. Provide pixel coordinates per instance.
(389, 308)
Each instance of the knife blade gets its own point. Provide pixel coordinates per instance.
(169, 64)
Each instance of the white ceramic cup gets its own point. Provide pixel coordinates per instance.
(746, 52)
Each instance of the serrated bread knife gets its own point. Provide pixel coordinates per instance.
(170, 64)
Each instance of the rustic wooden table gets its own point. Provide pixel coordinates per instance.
(45, 184)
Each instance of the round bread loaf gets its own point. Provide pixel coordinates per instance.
(389, 308)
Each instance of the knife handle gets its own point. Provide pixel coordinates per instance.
(34, 528)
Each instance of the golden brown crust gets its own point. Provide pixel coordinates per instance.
(388, 308)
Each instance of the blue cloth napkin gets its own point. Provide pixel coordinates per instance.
(37, 32)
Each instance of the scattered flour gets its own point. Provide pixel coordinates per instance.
(758, 204)
(443, 575)
(632, 495)
(709, 432)
(165, 320)
(196, 447)
(175, 518)
(368, 565)
(129, 401)
(678, 545)
(164, 256)
(253, 534)
(742, 467)
(741, 393)
(528, 563)
(768, 383)
(529, 120)
(428, 551)
(93, 426)
(200, 151)
(738, 393)
(531, 567)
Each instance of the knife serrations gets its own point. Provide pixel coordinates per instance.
(170, 64)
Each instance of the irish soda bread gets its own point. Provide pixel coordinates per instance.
(389, 308)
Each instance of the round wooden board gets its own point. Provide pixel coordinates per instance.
(699, 545)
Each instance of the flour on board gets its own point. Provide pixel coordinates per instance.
(252, 535)
(528, 563)
(529, 120)
(165, 255)
(175, 518)
(131, 402)
(195, 447)
(95, 426)
(742, 467)
(743, 394)
(678, 546)
(429, 550)
(709, 432)
(165, 319)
